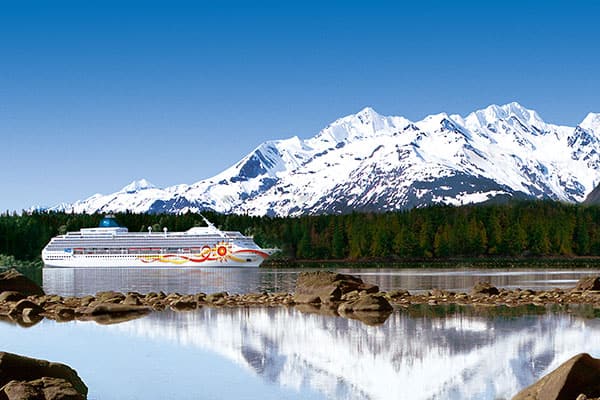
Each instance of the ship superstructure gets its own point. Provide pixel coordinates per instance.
(110, 245)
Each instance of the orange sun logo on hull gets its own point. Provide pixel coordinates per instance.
(223, 252)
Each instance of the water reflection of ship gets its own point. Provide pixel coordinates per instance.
(84, 281)
(456, 357)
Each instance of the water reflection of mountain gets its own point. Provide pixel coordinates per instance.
(456, 357)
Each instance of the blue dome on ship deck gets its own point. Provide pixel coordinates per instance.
(109, 221)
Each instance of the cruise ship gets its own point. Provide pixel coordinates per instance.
(111, 245)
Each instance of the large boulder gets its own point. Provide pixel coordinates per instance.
(578, 375)
(19, 374)
(327, 287)
(588, 283)
(13, 280)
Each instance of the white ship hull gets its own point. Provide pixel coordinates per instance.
(248, 258)
(110, 245)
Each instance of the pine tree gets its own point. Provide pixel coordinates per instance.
(441, 242)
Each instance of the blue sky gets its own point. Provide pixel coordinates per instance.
(96, 94)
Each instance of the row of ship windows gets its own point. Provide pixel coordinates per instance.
(144, 244)
(148, 250)
(146, 238)
(90, 256)
(137, 250)
(172, 243)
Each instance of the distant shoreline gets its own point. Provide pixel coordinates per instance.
(455, 262)
(458, 262)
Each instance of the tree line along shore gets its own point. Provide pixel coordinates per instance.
(524, 229)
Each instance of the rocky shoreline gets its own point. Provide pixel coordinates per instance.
(25, 303)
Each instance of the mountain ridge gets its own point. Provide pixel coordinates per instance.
(370, 162)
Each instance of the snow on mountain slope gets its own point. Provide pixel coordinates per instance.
(252, 175)
(136, 197)
(367, 161)
(136, 186)
(591, 122)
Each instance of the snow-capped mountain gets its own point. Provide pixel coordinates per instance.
(367, 161)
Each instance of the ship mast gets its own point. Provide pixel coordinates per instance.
(212, 226)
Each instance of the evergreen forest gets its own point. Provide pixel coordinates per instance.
(520, 229)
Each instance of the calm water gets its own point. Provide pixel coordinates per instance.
(83, 281)
(282, 353)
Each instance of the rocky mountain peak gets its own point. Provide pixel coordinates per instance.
(591, 123)
(137, 185)
(369, 162)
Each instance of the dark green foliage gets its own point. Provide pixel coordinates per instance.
(541, 228)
